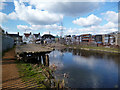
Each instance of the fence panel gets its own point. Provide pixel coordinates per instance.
(7, 42)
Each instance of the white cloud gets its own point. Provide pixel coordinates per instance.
(88, 21)
(12, 16)
(104, 29)
(23, 27)
(110, 25)
(53, 13)
(35, 16)
(65, 0)
(107, 28)
(40, 27)
(47, 32)
(91, 63)
(112, 0)
(66, 8)
(4, 17)
(49, 27)
(2, 5)
(111, 16)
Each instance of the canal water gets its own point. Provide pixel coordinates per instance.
(86, 69)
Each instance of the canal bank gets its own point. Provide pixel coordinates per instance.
(33, 64)
(20, 74)
(39, 76)
(96, 49)
(99, 49)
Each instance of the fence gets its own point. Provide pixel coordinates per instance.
(7, 42)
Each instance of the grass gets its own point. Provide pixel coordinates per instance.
(116, 50)
(30, 72)
(39, 74)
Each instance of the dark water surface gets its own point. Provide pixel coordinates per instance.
(86, 69)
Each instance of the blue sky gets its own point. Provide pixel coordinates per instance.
(77, 18)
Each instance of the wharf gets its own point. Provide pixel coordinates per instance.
(32, 48)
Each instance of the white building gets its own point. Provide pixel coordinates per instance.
(28, 38)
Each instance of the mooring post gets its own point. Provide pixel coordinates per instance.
(43, 56)
(47, 60)
(39, 56)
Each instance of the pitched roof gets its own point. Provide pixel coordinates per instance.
(37, 35)
(48, 36)
(27, 34)
(85, 34)
(13, 35)
(1, 30)
(20, 36)
(68, 36)
(38, 40)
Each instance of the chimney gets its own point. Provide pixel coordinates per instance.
(18, 33)
(6, 32)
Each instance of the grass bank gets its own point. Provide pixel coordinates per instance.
(41, 76)
(90, 48)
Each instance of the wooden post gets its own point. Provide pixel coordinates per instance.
(39, 59)
(36, 58)
(43, 56)
(47, 60)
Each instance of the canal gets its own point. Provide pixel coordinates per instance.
(85, 69)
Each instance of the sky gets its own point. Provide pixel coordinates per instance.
(73, 18)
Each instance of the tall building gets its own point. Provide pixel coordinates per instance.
(86, 38)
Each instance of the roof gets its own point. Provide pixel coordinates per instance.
(73, 35)
(1, 30)
(48, 36)
(77, 36)
(99, 35)
(38, 40)
(20, 36)
(85, 34)
(27, 34)
(13, 35)
(37, 35)
(68, 36)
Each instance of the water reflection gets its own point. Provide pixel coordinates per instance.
(86, 69)
(56, 58)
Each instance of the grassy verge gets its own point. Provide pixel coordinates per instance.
(39, 75)
(114, 50)
(30, 72)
